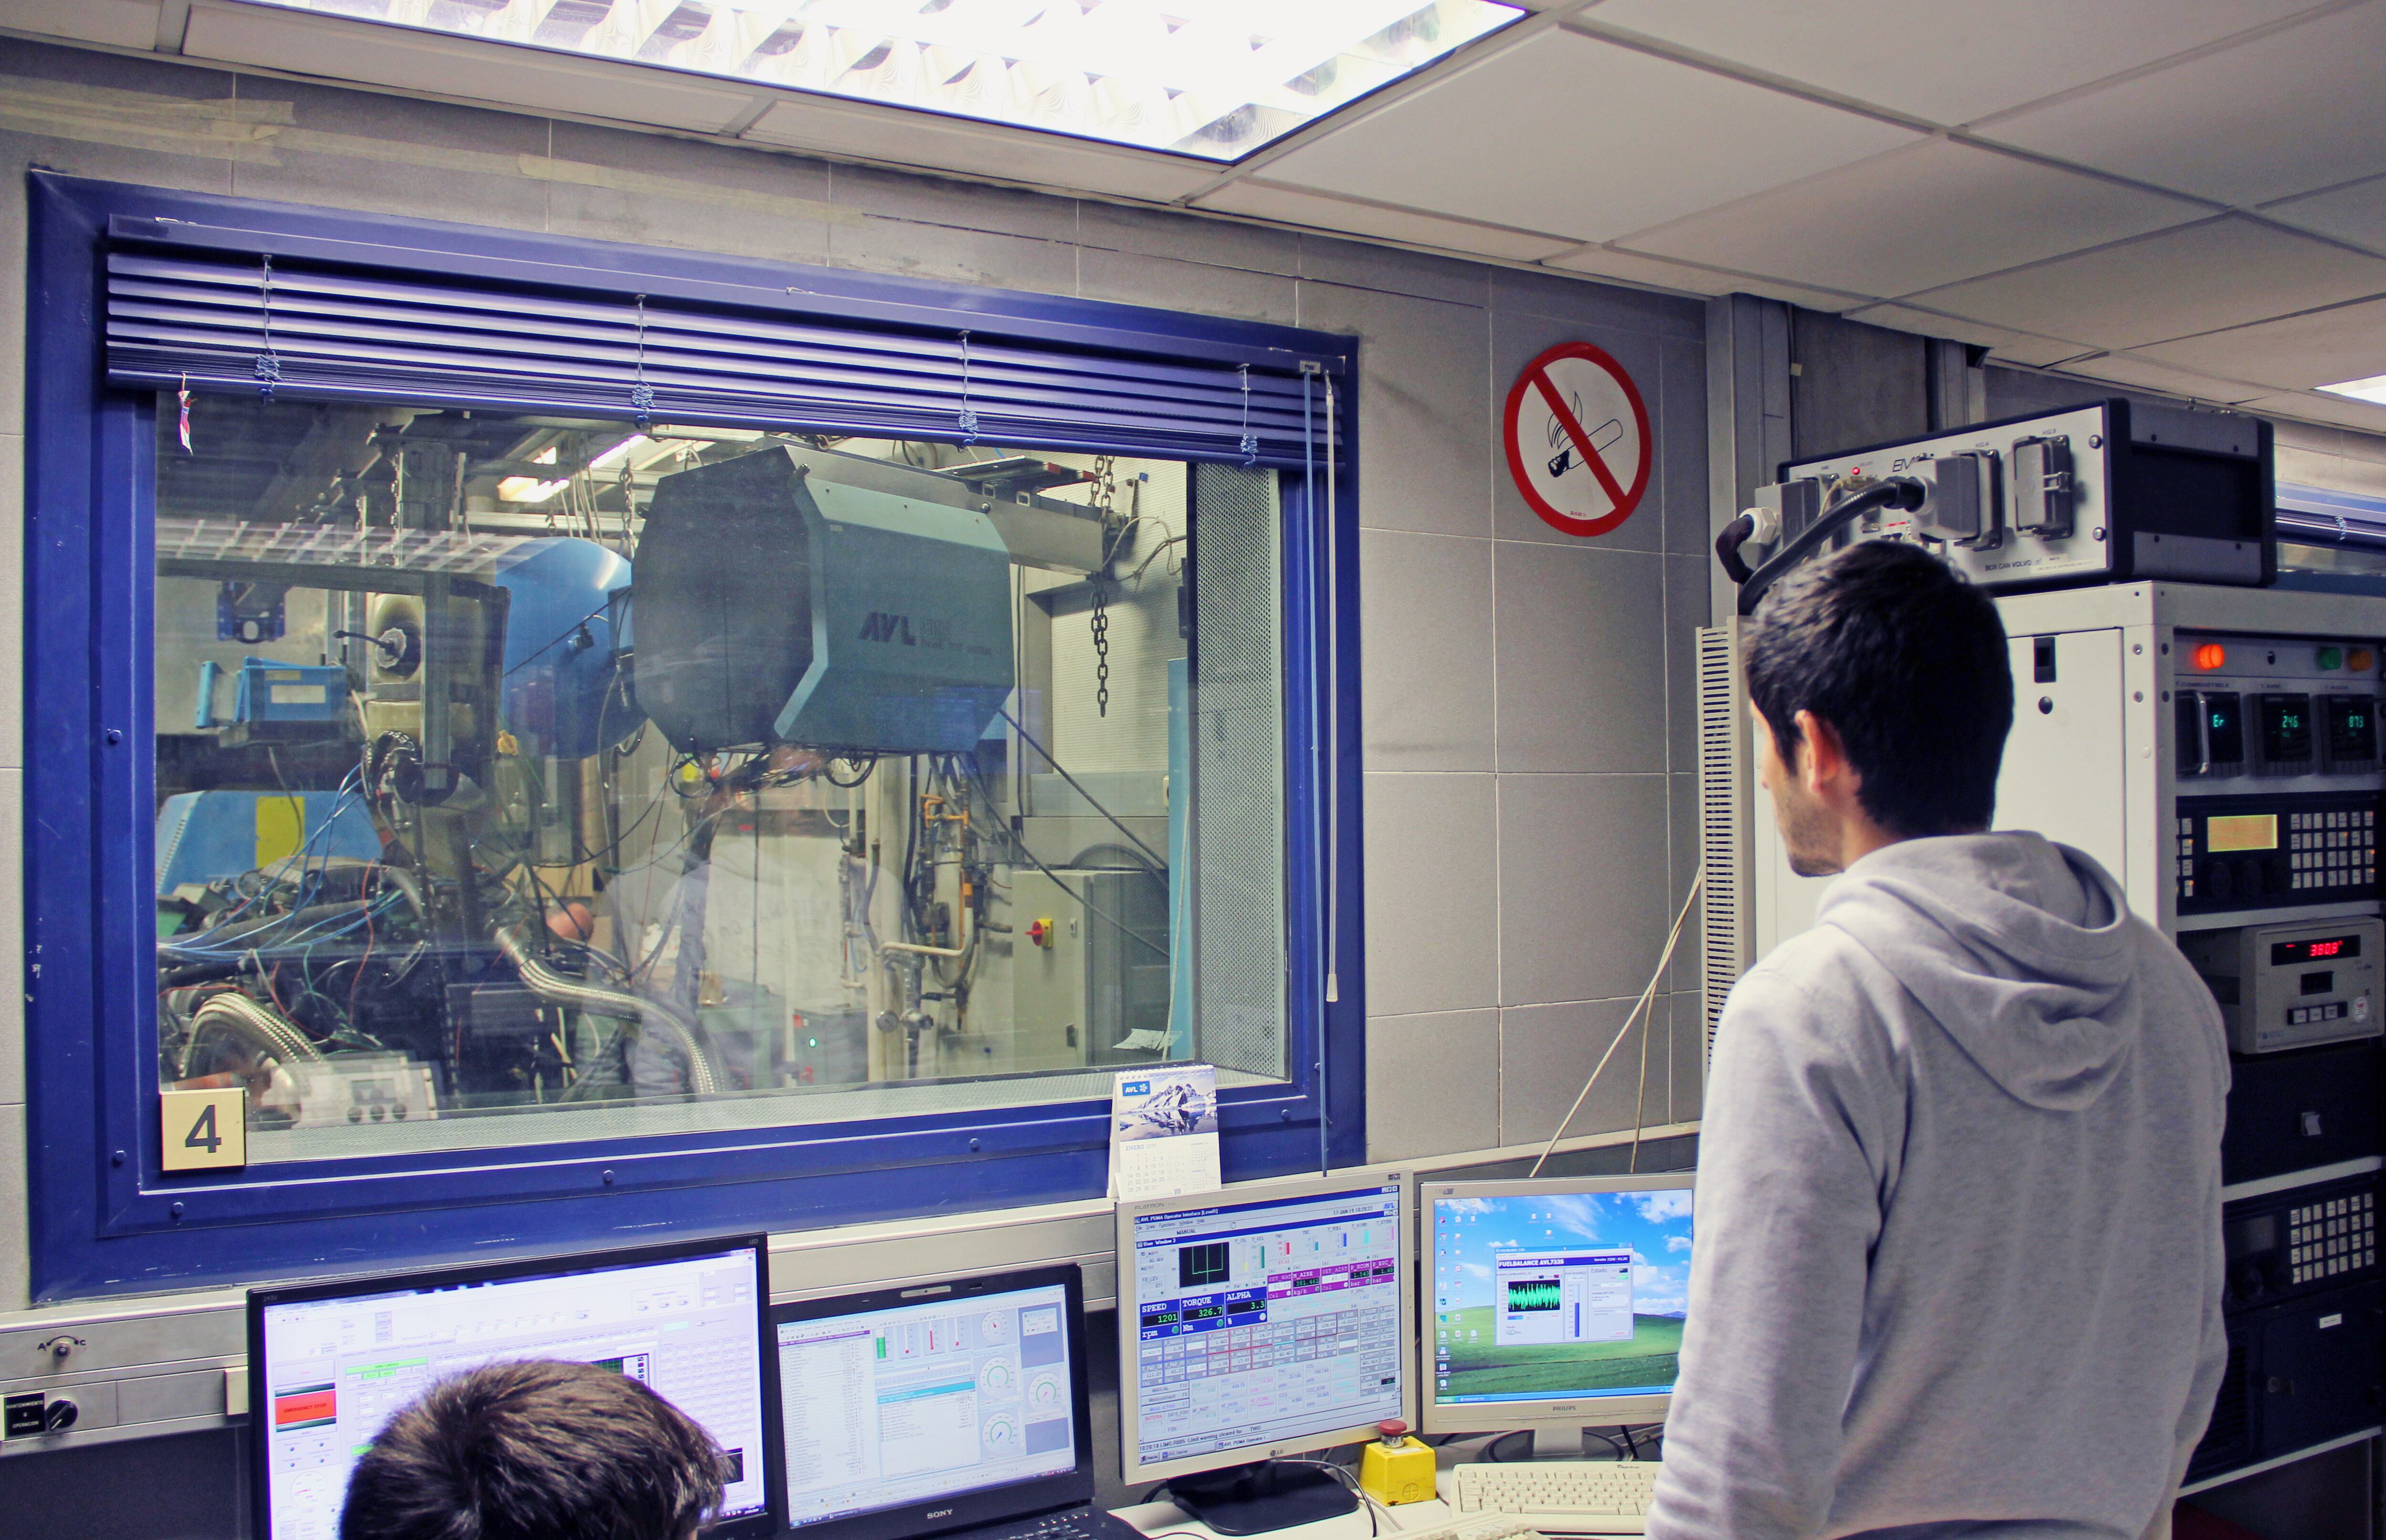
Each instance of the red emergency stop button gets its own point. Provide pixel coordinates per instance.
(1040, 932)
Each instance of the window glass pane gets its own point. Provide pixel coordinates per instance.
(536, 778)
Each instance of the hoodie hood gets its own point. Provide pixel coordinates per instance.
(2019, 948)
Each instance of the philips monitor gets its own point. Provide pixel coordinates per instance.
(942, 1406)
(1262, 1321)
(330, 1363)
(1554, 1305)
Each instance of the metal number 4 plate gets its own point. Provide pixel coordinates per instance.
(203, 1131)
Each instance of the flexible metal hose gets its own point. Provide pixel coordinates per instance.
(250, 1022)
(550, 986)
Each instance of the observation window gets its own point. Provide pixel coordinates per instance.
(525, 778)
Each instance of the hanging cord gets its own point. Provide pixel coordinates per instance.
(642, 395)
(1251, 444)
(1698, 885)
(1106, 499)
(1333, 708)
(268, 363)
(969, 413)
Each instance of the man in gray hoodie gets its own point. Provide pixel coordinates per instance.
(1959, 1267)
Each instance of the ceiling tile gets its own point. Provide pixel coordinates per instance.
(2312, 408)
(2295, 111)
(2018, 347)
(1947, 60)
(1633, 268)
(2323, 347)
(2129, 368)
(1914, 219)
(2356, 213)
(524, 79)
(2224, 272)
(892, 136)
(1264, 200)
(126, 23)
(1581, 138)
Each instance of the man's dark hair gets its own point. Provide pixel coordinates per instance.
(1907, 660)
(539, 1450)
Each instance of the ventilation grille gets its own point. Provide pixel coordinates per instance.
(1236, 759)
(1724, 832)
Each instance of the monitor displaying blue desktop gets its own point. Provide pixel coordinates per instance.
(1557, 1303)
(330, 1363)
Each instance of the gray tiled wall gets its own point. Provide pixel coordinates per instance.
(1525, 744)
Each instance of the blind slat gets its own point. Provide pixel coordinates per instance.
(211, 320)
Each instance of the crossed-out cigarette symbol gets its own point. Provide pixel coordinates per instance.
(1603, 437)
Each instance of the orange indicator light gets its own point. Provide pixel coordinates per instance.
(2210, 656)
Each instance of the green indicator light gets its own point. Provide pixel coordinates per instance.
(2331, 658)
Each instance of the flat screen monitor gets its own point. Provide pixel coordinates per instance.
(911, 1410)
(1262, 1321)
(330, 1363)
(1556, 1304)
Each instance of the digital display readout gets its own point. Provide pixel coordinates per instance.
(2317, 949)
(2234, 832)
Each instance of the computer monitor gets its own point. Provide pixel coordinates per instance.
(911, 1410)
(1261, 1321)
(330, 1363)
(1553, 1305)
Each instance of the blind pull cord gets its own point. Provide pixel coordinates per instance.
(969, 413)
(268, 363)
(1250, 444)
(642, 395)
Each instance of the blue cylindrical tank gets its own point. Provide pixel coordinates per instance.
(560, 657)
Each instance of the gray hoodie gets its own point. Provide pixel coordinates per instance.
(1958, 1269)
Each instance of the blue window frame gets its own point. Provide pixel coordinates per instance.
(105, 1219)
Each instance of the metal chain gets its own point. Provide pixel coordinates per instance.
(1105, 495)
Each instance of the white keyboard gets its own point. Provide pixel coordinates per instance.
(1569, 1497)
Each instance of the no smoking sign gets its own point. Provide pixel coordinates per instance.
(1578, 441)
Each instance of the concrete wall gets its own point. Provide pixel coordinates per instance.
(1530, 821)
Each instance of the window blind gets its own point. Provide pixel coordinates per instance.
(216, 319)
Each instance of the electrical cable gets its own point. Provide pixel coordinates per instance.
(1673, 938)
(1366, 1498)
(1902, 492)
(1020, 846)
(1090, 799)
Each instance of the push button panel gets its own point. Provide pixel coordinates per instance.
(2275, 852)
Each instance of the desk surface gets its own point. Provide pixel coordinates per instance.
(1413, 1517)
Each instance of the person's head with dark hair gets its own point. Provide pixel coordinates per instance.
(539, 1450)
(1881, 676)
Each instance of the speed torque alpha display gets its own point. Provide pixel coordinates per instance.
(1258, 1323)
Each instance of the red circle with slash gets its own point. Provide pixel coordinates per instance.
(1578, 440)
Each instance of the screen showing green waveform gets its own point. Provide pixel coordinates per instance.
(1533, 1294)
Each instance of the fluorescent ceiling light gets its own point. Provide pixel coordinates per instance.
(2371, 389)
(1215, 79)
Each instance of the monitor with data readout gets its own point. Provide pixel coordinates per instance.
(935, 1407)
(1557, 1304)
(1260, 1320)
(330, 1363)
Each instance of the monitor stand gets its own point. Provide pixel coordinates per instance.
(1551, 1443)
(1267, 1494)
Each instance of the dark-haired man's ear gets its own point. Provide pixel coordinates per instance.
(1821, 765)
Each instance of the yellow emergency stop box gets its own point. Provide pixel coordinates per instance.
(1396, 1468)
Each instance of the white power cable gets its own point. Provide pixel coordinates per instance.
(1665, 960)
